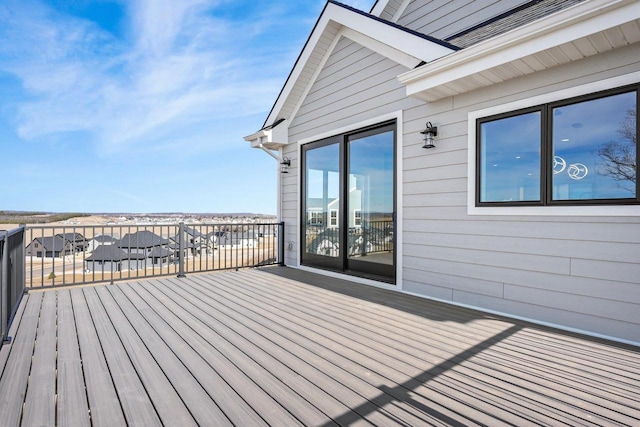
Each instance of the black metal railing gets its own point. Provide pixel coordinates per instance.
(12, 276)
(74, 255)
(368, 238)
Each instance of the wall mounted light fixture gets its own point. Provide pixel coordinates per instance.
(428, 135)
(284, 165)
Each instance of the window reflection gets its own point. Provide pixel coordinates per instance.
(587, 146)
(322, 198)
(593, 156)
(371, 199)
(510, 159)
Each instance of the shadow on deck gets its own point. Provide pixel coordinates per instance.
(278, 346)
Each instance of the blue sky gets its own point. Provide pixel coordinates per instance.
(141, 105)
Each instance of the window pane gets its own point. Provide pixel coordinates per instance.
(510, 159)
(370, 204)
(322, 194)
(594, 150)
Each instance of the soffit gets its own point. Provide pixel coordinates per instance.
(580, 31)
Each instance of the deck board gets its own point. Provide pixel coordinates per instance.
(196, 399)
(39, 405)
(136, 403)
(281, 347)
(105, 408)
(392, 345)
(166, 401)
(195, 354)
(377, 359)
(72, 405)
(343, 372)
(15, 375)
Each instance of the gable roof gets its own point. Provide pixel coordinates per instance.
(52, 243)
(587, 28)
(112, 253)
(159, 252)
(142, 239)
(401, 45)
(71, 237)
(105, 238)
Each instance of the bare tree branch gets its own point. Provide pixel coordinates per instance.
(619, 159)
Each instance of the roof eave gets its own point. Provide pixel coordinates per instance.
(509, 55)
(401, 45)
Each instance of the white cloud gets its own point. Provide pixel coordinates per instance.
(179, 68)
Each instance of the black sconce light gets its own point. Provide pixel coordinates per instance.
(284, 165)
(429, 134)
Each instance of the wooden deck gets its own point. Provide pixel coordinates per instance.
(282, 347)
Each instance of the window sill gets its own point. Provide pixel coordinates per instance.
(609, 210)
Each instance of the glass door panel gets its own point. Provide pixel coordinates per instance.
(321, 204)
(370, 203)
(348, 203)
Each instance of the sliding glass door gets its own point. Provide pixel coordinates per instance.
(348, 200)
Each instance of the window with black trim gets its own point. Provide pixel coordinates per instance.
(577, 151)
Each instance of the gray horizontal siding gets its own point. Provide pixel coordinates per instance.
(572, 319)
(581, 272)
(355, 85)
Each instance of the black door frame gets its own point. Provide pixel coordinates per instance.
(342, 263)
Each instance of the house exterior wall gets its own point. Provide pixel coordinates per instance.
(106, 266)
(581, 272)
(577, 272)
(355, 85)
(444, 18)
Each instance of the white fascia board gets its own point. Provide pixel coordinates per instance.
(384, 49)
(411, 44)
(573, 23)
(399, 44)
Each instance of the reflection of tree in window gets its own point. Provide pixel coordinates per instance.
(619, 158)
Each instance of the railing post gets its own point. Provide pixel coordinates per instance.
(281, 243)
(4, 287)
(22, 257)
(181, 250)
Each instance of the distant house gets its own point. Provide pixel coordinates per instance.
(142, 242)
(232, 240)
(161, 256)
(50, 247)
(194, 240)
(77, 240)
(110, 258)
(103, 239)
